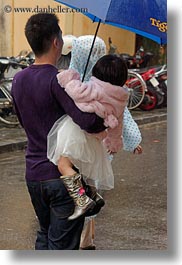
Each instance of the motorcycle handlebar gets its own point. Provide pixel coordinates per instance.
(5, 62)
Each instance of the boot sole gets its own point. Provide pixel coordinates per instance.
(100, 202)
(89, 207)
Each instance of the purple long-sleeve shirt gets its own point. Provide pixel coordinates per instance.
(39, 102)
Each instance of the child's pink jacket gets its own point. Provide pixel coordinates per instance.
(106, 100)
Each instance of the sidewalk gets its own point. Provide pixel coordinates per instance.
(12, 139)
(135, 213)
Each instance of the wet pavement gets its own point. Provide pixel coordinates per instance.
(13, 138)
(135, 214)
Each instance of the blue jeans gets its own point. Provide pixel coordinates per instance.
(53, 205)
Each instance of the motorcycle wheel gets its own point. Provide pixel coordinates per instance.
(7, 114)
(136, 87)
(163, 86)
(9, 117)
(159, 94)
(150, 100)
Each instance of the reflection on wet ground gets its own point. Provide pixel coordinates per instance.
(135, 215)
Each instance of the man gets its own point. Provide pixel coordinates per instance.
(39, 102)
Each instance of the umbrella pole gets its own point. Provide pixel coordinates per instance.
(91, 49)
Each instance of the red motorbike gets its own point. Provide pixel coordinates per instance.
(156, 87)
(139, 60)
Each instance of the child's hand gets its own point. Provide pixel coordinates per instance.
(138, 150)
(111, 121)
(110, 152)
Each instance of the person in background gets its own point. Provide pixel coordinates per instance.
(64, 61)
(112, 47)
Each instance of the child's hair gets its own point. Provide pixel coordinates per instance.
(112, 69)
(40, 30)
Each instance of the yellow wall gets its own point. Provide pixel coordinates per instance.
(12, 39)
(6, 30)
(124, 40)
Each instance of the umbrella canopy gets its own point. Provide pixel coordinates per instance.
(144, 17)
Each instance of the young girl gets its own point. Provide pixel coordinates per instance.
(105, 95)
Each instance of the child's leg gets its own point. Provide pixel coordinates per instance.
(73, 183)
(65, 166)
(87, 236)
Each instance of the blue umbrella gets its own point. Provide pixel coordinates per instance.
(144, 17)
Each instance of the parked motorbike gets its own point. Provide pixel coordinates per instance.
(156, 88)
(150, 100)
(7, 114)
(25, 57)
(147, 85)
(140, 59)
(161, 76)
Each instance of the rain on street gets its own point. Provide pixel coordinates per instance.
(135, 214)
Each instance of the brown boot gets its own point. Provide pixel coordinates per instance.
(95, 196)
(75, 188)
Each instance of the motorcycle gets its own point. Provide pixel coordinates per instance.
(141, 59)
(156, 88)
(7, 114)
(25, 57)
(161, 76)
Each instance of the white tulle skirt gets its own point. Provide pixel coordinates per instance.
(85, 151)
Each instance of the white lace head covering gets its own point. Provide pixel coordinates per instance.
(80, 51)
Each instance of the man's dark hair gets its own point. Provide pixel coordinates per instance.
(111, 68)
(40, 30)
